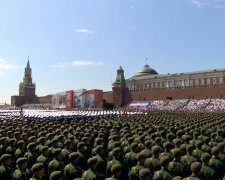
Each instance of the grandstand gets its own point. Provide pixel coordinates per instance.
(203, 105)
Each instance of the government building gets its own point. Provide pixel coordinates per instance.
(147, 84)
(148, 78)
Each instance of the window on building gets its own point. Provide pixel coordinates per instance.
(191, 82)
(221, 80)
(166, 84)
(202, 81)
(170, 83)
(178, 83)
(208, 81)
(214, 81)
(153, 85)
(196, 82)
(185, 83)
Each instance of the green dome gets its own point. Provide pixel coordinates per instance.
(146, 70)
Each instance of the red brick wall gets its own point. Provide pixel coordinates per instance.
(21, 100)
(196, 92)
(17, 100)
(201, 92)
(98, 97)
(45, 99)
(108, 96)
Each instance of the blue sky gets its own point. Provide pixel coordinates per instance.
(76, 44)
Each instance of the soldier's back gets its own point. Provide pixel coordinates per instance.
(112, 163)
(192, 177)
(217, 166)
(134, 172)
(153, 164)
(71, 172)
(6, 173)
(19, 175)
(187, 160)
(147, 152)
(130, 159)
(55, 165)
(176, 168)
(162, 175)
(206, 148)
(89, 175)
(207, 172)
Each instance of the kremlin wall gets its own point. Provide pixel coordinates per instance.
(146, 84)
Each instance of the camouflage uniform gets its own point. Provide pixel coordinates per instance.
(91, 174)
(153, 163)
(196, 171)
(207, 172)
(38, 171)
(30, 154)
(6, 173)
(216, 164)
(130, 158)
(175, 167)
(56, 164)
(43, 158)
(72, 171)
(21, 174)
(163, 173)
(116, 170)
(134, 172)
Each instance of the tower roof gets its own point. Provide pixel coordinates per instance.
(120, 68)
(120, 75)
(28, 63)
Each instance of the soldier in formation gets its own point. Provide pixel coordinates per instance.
(156, 145)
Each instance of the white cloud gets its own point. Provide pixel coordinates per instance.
(202, 3)
(86, 63)
(78, 63)
(5, 66)
(83, 31)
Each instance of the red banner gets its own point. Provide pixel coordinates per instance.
(69, 99)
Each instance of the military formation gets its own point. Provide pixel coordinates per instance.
(154, 145)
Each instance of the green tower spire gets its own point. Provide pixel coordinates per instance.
(120, 76)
